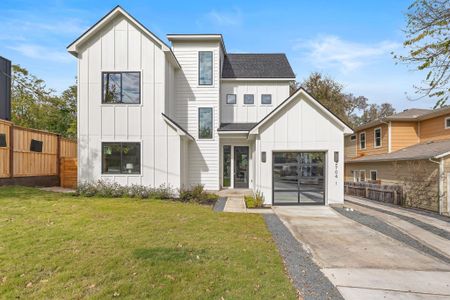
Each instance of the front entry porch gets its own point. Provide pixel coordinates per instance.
(236, 164)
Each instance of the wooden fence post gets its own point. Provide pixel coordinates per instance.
(367, 193)
(11, 151)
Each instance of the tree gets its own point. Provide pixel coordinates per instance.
(373, 112)
(33, 105)
(428, 43)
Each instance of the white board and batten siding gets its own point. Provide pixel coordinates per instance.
(301, 126)
(121, 46)
(250, 113)
(203, 162)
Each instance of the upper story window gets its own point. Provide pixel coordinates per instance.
(447, 123)
(353, 137)
(377, 137)
(266, 99)
(362, 140)
(249, 99)
(121, 158)
(121, 87)
(231, 98)
(205, 68)
(205, 123)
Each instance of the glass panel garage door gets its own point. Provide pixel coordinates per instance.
(298, 178)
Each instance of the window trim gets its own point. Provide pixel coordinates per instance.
(212, 123)
(375, 137)
(365, 175)
(212, 69)
(445, 123)
(365, 140)
(121, 142)
(120, 72)
(262, 95)
(376, 175)
(235, 99)
(253, 103)
(353, 137)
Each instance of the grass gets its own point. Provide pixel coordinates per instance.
(56, 246)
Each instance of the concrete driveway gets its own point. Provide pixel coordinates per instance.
(371, 254)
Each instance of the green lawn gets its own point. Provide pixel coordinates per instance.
(61, 246)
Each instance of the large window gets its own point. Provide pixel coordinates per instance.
(377, 137)
(205, 123)
(205, 68)
(362, 140)
(121, 87)
(121, 158)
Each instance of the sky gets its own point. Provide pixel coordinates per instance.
(350, 41)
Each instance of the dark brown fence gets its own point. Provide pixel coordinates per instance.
(388, 193)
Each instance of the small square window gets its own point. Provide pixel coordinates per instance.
(36, 146)
(249, 99)
(447, 123)
(231, 98)
(353, 137)
(266, 99)
(2, 140)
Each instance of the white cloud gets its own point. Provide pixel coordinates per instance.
(223, 18)
(42, 53)
(333, 52)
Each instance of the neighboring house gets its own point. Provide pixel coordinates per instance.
(193, 113)
(410, 148)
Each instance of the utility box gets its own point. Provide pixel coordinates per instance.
(5, 89)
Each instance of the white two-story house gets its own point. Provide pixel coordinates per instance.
(192, 113)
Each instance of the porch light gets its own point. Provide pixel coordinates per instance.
(263, 156)
(336, 156)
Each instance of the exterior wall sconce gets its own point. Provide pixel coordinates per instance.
(263, 156)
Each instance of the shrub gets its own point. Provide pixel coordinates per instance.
(197, 194)
(254, 201)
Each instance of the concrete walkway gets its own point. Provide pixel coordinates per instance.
(58, 189)
(235, 202)
(362, 262)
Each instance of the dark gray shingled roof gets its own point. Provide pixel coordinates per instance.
(419, 151)
(236, 126)
(245, 65)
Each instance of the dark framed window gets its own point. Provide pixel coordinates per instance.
(266, 99)
(121, 158)
(121, 87)
(231, 98)
(447, 123)
(249, 99)
(226, 166)
(353, 137)
(362, 140)
(373, 175)
(205, 123)
(36, 146)
(2, 140)
(377, 137)
(205, 68)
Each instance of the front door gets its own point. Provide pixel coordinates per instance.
(241, 162)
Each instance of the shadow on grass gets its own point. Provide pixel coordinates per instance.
(163, 254)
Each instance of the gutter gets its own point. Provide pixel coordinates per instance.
(441, 182)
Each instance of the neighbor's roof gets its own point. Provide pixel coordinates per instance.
(412, 114)
(263, 65)
(433, 149)
(236, 126)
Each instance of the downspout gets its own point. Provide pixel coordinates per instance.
(441, 181)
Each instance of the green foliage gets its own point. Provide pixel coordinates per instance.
(428, 44)
(197, 194)
(254, 201)
(33, 105)
(354, 110)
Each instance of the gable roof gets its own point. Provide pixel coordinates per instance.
(263, 65)
(346, 128)
(73, 48)
(180, 130)
(433, 149)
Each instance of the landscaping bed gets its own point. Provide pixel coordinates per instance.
(62, 246)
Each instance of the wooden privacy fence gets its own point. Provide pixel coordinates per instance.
(389, 193)
(28, 153)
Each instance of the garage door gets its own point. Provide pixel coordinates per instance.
(298, 178)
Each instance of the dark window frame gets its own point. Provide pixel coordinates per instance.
(212, 68)
(121, 158)
(212, 123)
(36, 146)
(121, 91)
(253, 99)
(376, 175)
(235, 99)
(262, 102)
(353, 137)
